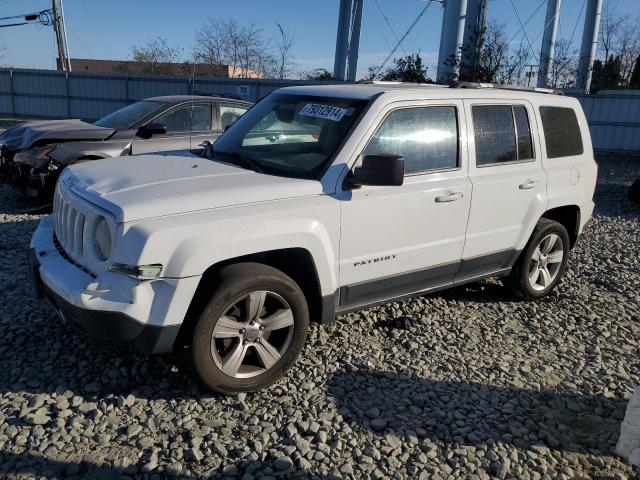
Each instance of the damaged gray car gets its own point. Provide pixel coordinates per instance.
(33, 154)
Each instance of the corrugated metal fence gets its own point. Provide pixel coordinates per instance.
(614, 120)
(614, 115)
(52, 94)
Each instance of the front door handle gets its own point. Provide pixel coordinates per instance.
(528, 185)
(450, 197)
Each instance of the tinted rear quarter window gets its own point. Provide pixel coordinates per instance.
(561, 132)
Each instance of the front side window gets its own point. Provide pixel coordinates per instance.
(288, 134)
(176, 121)
(229, 114)
(561, 132)
(427, 138)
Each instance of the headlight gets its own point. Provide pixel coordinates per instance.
(36, 155)
(102, 238)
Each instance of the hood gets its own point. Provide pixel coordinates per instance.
(146, 186)
(27, 134)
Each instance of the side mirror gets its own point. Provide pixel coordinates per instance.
(207, 148)
(152, 129)
(378, 170)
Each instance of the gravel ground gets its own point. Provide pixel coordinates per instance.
(470, 383)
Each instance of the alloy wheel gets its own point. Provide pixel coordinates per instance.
(252, 335)
(546, 262)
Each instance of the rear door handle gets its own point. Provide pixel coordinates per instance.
(450, 197)
(528, 185)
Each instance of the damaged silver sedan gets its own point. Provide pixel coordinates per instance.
(33, 153)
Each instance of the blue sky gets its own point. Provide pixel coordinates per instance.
(108, 29)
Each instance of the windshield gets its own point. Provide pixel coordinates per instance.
(291, 135)
(128, 116)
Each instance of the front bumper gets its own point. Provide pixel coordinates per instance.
(110, 306)
(35, 182)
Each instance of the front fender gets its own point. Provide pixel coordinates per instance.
(188, 245)
(68, 153)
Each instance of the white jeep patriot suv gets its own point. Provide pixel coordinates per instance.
(318, 201)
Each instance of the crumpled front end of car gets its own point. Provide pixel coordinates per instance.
(31, 171)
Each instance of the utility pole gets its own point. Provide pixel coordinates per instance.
(547, 54)
(354, 40)
(342, 39)
(589, 44)
(348, 40)
(64, 62)
(451, 40)
(475, 25)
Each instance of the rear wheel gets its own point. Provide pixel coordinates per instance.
(543, 261)
(252, 330)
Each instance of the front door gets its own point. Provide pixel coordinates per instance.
(180, 132)
(407, 239)
(509, 184)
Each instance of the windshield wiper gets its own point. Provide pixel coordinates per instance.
(235, 158)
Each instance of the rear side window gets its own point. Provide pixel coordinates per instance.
(561, 132)
(525, 146)
(229, 114)
(502, 134)
(495, 135)
(201, 118)
(427, 138)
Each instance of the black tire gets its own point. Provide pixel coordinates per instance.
(234, 283)
(524, 266)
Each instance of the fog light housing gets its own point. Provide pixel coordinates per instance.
(141, 272)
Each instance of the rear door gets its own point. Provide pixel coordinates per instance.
(509, 184)
(569, 158)
(228, 114)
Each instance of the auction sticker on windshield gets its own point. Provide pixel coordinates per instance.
(327, 112)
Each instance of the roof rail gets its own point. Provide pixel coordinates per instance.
(521, 88)
(393, 82)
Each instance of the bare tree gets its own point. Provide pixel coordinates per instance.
(284, 43)
(610, 25)
(242, 47)
(563, 69)
(155, 57)
(498, 63)
(627, 47)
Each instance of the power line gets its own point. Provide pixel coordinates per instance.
(96, 29)
(34, 15)
(375, 18)
(577, 21)
(524, 31)
(411, 27)
(389, 24)
(527, 20)
(14, 24)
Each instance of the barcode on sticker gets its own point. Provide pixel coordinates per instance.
(327, 112)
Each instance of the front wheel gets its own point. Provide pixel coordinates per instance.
(252, 330)
(542, 262)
